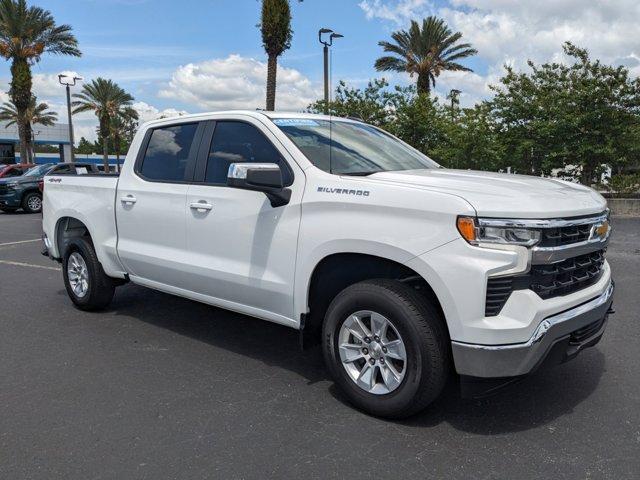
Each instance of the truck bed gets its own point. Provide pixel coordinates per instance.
(89, 198)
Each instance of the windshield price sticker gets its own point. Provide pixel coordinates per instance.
(295, 122)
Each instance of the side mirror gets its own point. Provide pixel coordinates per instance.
(260, 177)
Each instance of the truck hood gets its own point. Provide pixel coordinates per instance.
(505, 195)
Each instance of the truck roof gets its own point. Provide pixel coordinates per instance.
(250, 113)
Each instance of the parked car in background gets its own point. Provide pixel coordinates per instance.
(15, 170)
(25, 191)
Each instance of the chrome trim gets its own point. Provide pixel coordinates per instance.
(239, 170)
(546, 255)
(536, 223)
(520, 358)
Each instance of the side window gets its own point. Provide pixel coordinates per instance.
(168, 152)
(237, 142)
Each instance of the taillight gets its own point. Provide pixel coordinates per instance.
(41, 185)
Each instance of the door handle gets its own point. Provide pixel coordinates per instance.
(202, 205)
(129, 199)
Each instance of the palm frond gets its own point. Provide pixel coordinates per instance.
(390, 64)
(426, 49)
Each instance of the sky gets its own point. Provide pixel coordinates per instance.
(202, 55)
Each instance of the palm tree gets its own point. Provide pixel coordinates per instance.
(36, 113)
(276, 38)
(425, 52)
(26, 33)
(108, 101)
(122, 129)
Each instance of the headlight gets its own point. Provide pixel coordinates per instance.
(477, 232)
(12, 185)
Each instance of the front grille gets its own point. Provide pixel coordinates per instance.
(566, 277)
(3, 189)
(547, 281)
(559, 236)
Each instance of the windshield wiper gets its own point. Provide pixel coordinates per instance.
(360, 174)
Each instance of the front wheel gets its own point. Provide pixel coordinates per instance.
(87, 285)
(386, 348)
(32, 202)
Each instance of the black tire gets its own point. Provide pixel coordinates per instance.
(100, 287)
(423, 331)
(30, 200)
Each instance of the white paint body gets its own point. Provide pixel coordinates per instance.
(247, 256)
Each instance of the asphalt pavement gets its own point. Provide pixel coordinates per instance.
(161, 387)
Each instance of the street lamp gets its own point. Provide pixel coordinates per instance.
(69, 82)
(327, 43)
(453, 95)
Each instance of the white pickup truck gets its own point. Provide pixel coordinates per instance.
(404, 271)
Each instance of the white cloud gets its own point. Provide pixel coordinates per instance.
(237, 82)
(48, 85)
(512, 32)
(398, 11)
(149, 112)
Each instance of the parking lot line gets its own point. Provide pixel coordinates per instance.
(19, 242)
(22, 264)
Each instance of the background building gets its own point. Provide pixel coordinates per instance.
(57, 134)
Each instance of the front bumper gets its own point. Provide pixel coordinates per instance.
(10, 199)
(576, 328)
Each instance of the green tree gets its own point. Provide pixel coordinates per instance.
(584, 114)
(26, 33)
(472, 140)
(123, 128)
(36, 113)
(275, 27)
(109, 102)
(85, 147)
(425, 52)
(371, 104)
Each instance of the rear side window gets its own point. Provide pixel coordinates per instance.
(239, 142)
(168, 152)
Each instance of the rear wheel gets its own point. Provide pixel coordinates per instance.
(32, 202)
(386, 347)
(87, 285)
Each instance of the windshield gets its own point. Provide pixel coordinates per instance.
(350, 148)
(40, 170)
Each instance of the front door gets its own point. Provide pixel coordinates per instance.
(150, 204)
(242, 250)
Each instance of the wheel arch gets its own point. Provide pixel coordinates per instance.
(336, 271)
(68, 227)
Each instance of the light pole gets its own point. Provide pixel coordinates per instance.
(68, 83)
(325, 51)
(453, 95)
(32, 153)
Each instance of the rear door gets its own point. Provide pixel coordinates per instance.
(150, 203)
(242, 251)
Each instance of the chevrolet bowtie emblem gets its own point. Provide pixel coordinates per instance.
(600, 230)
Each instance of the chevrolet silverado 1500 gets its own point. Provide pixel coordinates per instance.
(403, 271)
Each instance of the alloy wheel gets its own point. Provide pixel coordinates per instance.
(372, 352)
(78, 274)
